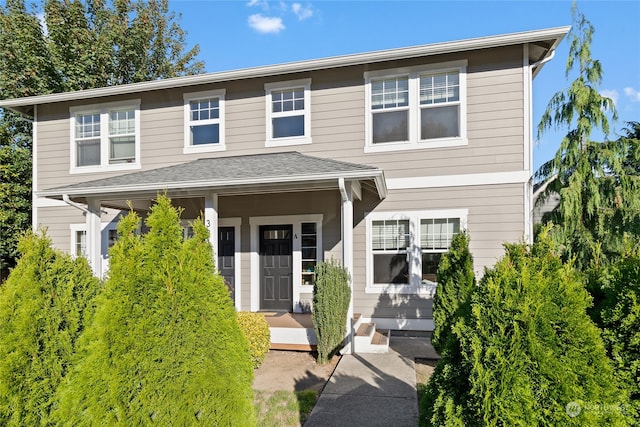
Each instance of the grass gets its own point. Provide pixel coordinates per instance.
(284, 408)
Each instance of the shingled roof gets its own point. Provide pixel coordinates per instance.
(233, 173)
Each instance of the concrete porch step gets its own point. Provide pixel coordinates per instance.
(369, 340)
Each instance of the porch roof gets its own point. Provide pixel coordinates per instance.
(260, 173)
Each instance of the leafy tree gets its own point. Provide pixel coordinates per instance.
(529, 349)
(74, 45)
(164, 347)
(599, 192)
(331, 295)
(43, 309)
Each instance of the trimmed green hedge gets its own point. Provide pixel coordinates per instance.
(331, 296)
(256, 331)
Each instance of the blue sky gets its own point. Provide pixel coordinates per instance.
(239, 34)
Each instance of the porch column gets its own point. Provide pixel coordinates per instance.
(346, 194)
(211, 221)
(94, 236)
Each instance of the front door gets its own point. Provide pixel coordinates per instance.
(276, 267)
(226, 258)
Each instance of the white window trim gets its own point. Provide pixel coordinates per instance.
(296, 221)
(105, 227)
(103, 109)
(415, 142)
(294, 140)
(414, 250)
(205, 148)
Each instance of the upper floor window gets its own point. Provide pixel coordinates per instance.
(417, 107)
(288, 112)
(204, 121)
(105, 137)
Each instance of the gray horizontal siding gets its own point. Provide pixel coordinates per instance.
(495, 216)
(495, 117)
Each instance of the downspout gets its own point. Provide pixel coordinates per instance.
(67, 200)
(542, 62)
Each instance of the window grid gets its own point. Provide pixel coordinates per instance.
(205, 109)
(286, 101)
(390, 93)
(439, 88)
(81, 243)
(436, 233)
(391, 235)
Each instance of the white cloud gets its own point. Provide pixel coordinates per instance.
(613, 94)
(632, 93)
(302, 12)
(265, 24)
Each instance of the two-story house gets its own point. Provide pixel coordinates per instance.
(374, 159)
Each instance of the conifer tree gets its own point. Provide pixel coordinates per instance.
(165, 347)
(599, 193)
(44, 305)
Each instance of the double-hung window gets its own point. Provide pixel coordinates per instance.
(404, 248)
(416, 107)
(204, 121)
(288, 112)
(105, 137)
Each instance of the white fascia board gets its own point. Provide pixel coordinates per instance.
(297, 67)
(133, 188)
(464, 180)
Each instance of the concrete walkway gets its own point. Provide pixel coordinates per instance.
(373, 389)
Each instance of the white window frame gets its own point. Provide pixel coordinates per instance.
(414, 251)
(220, 121)
(105, 227)
(293, 140)
(414, 141)
(103, 110)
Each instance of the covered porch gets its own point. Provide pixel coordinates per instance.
(271, 217)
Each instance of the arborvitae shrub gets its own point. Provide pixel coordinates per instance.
(256, 331)
(164, 347)
(529, 349)
(331, 296)
(43, 307)
(619, 317)
(456, 281)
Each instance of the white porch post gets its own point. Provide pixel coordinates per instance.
(347, 246)
(94, 237)
(211, 221)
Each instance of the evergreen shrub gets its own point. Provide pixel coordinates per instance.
(331, 297)
(529, 353)
(256, 331)
(164, 347)
(456, 281)
(619, 316)
(44, 305)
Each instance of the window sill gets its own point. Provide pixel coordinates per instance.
(401, 146)
(204, 148)
(427, 290)
(283, 142)
(108, 168)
